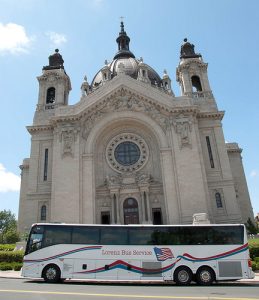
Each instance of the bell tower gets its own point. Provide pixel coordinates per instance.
(54, 85)
(192, 72)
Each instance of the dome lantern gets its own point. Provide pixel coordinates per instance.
(123, 44)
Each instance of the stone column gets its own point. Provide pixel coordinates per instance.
(115, 216)
(145, 205)
(170, 194)
(149, 219)
(88, 207)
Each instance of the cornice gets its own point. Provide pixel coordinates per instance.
(37, 128)
(233, 148)
(211, 115)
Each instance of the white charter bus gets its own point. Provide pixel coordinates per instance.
(180, 253)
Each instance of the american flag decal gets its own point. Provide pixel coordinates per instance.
(163, 254)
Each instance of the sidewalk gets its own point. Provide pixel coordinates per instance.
(17, 275)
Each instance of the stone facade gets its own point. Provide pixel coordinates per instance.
(130, 151)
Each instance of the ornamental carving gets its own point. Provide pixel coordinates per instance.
(53, 76)
(67, 137)
(183, 127)
(125, 103)
(113, 181)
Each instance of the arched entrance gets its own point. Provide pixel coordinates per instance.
(130, 211)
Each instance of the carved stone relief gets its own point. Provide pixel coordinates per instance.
(125, 102)
(68, 136)
(183, 126)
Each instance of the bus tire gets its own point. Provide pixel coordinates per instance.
(183, 276)
(205, 276)
(51, 273)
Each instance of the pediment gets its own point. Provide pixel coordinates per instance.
(124, 92)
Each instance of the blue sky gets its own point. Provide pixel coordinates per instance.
(225, 32)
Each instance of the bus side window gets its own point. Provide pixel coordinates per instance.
(57, 235)
(85, 235)
(114, 236)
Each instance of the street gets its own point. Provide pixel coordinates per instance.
(20, 289)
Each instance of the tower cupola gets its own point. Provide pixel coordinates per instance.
(192, 73)
(187, 50)
(54, 86)
(55, 61)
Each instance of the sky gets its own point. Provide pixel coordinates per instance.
(225, 32)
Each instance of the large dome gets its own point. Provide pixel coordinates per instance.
(131, 67)
(130, 64)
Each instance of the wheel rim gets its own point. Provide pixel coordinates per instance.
(205, 276)
(183, 276)
(51, 273)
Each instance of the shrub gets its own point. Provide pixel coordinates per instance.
(254, 251)
(7, 247)
(17, 266)
(256, 259)
(5, 266)
(11, 256)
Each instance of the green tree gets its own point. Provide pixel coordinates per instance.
(7, 223)
(250, 226)
(11, 236)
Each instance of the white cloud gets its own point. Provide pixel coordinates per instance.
(56, 38)
(9, 182)
(13, 38)
(254, 173)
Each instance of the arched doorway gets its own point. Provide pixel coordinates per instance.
(130, 211)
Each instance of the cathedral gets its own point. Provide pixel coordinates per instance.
(130, 151)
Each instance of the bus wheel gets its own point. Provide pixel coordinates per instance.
(51, 273)
(205, 276)
(183, 276)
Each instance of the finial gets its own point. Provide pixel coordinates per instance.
(185, 40)
(106, 62)
(85, 78)
(141, 59)
(165, 72)
(56, 50)
(122, 24)
(123, 44)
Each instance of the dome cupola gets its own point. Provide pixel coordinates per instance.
(125, 62)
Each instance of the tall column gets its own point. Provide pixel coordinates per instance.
(149, 219)
(170, 194)
(115, 206)
(145, 205)
(88, 208)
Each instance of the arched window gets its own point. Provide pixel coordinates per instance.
(51, 93)
(196, 84)
(218, 200)
(43, 213)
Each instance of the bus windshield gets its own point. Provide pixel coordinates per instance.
(35, 239)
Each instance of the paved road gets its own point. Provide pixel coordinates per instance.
(21, 289)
